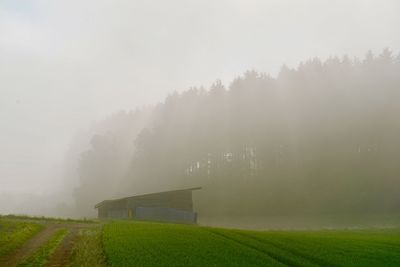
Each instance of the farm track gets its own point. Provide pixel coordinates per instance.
(62, 252)
(30, 246)
(61, 255)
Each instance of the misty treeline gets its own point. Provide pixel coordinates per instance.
(323, 138)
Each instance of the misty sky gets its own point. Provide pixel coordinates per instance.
(64, 64)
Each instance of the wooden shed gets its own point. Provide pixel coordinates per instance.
(168, 206)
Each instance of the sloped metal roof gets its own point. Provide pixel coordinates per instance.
(145, 195)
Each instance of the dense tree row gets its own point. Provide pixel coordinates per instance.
(322, 138)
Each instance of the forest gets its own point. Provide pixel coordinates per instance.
(321, 138)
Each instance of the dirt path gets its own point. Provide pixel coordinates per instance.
(33, 243)
(60, 255)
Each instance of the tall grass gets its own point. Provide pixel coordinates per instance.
(88, 249)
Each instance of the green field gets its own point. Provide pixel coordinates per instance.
(154, 244)
(130, 243)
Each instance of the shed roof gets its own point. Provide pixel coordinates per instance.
(145, 195)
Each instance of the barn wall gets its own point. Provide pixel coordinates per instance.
(117, 213)
(165, 215)
(102, 213)
(114, 210)
(181, 200)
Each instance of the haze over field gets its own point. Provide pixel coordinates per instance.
(68, 68)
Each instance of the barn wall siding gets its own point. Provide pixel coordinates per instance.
(117, 214)
(181, 201)
(165, 215)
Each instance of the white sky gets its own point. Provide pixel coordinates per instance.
(66, 63)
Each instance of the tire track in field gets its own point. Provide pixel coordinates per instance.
(314, 260)
(308, 258)
(277, 259)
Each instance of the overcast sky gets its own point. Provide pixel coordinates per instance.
(64, 64)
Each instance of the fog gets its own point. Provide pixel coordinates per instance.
(72, 72)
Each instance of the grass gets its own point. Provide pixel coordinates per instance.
(129, 243)
(156, 244)
(43, 253)
(88, 249)
(14, 234)
(45, 219)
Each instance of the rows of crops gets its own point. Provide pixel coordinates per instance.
(14, 234)
(324, 248)
(153, 244)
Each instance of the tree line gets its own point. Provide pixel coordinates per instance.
(320, 138)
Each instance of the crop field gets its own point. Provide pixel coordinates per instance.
(133, 243)
(324, 248)
(154, 244)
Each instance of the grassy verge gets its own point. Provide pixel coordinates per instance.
(43, 253)
(88, 249)
(14, 234)
(45, 219)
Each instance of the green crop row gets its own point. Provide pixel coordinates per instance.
(153, 244)
(336, 248)
(156, 244)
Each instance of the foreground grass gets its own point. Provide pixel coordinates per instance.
(155, 244)
(88, 249)
(43, 253)
(14, 234)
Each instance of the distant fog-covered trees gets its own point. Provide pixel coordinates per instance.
(322, 138)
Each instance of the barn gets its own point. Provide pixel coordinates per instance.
(169, 206)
